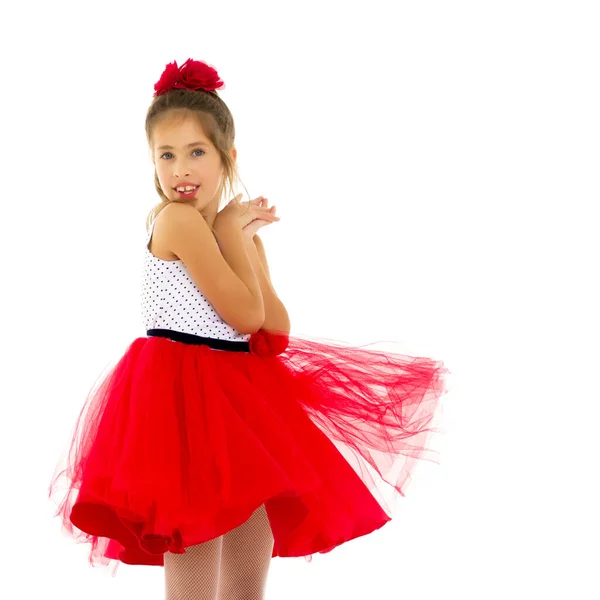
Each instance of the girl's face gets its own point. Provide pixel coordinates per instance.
(183, 155)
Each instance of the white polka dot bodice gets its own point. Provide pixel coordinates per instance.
(171, 300)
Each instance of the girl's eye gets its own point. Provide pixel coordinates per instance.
(196, 150)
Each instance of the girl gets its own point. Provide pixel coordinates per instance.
(210, 447)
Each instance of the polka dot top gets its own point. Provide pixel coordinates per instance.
(171, 300)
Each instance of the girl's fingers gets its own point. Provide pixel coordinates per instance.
(262, 203)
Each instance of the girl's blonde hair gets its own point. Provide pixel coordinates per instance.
(215, 119)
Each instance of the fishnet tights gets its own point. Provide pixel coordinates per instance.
(233, 566)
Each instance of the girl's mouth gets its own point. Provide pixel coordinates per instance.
(187, 194)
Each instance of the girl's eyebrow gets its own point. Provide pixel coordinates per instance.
(167, 147)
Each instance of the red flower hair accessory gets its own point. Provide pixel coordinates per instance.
(192, 75)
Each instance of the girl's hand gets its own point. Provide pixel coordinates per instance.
(244, 213)
(251, 228)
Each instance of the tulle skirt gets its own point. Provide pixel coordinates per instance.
(185, 437)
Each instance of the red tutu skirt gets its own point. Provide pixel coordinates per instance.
(184, 438)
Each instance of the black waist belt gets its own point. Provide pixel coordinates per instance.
(190, 338)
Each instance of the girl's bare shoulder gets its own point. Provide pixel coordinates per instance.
(160, 242)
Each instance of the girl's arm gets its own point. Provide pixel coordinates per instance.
(276, 315)
(263, 257)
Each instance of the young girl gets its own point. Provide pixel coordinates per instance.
(215, 443)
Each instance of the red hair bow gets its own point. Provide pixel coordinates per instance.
(192, 75)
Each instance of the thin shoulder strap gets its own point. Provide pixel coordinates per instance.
(149, 232)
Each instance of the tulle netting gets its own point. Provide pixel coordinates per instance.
(179, 443)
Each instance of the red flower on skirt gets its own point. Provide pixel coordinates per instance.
(265, 343)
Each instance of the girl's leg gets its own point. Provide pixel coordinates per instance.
(245, 559)
(195, 574)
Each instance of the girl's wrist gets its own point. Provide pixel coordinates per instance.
(249, 239)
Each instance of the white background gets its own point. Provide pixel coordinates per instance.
(435, 168)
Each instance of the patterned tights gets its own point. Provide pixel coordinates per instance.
(230, 567)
